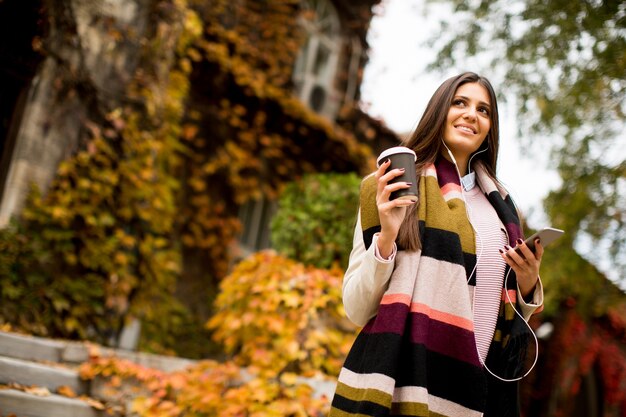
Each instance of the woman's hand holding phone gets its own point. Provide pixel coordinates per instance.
(525, 263)
(525, 257)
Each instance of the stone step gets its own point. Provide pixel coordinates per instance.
(30, 347)
(29, 373)
(46, 350)
(75, 352)
(149, 360)
(22, 404)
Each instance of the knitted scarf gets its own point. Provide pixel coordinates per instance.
(418, 355)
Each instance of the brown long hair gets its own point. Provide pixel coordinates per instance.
(427, 142)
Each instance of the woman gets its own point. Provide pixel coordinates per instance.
(439, 284)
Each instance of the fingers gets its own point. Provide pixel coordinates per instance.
(512, 256)
(538, 249)
(522, 259)
(526, 253)
(391, 212)
(391, 175)
(382, 168)
(385, 177)
(385, 189)
(386, 208)
(385, 194)
(525, 263)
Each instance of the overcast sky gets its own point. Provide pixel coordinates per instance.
(396, 88)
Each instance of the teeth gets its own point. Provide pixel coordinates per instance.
(467, 129)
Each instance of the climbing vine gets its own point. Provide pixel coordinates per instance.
(243, 74)
(98, 245)
(141, 218)
(247, 134)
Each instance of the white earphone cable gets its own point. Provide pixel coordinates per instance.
(468, 213)
(531, 332)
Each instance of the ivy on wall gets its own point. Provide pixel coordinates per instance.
(208, 122)
(98, 246)
(249, 134)
(246, 133)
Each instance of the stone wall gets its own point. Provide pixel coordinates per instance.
(97, 43)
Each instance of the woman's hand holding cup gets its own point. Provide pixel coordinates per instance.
(397, 190)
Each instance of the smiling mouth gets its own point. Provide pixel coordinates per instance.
(466, 129)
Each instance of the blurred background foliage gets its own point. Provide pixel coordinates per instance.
(278, 315)
(146, 211)
(99, 247)
(315, 220)
(139, 222)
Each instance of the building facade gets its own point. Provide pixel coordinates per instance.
(261, 94)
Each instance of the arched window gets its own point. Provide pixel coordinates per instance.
(255, 217)
(316, 65)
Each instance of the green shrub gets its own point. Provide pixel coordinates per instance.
(315, 220)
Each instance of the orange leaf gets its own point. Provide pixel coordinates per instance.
(66, 391)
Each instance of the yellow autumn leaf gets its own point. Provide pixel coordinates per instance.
(121, 258)
(58, 212)
(289, 378)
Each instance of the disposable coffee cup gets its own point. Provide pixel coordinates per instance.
(401, 157)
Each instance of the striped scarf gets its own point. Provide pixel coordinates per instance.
(418, 356)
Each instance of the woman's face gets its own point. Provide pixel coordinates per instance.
(468, 120)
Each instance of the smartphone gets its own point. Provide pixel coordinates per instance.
(547, 235)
